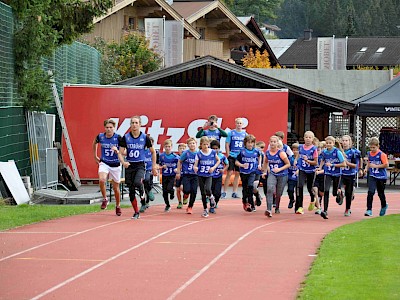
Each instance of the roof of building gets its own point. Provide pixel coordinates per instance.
(366, 51)
(279, 46)
(224, 74)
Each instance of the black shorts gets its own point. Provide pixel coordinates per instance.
(178, 182)
(232, 165)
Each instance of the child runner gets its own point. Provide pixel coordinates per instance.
(260, 145)
(133, 145)
(206, 162)
(233, 146)
(248, 161)
(216, 185)
(332, 160)
(319, 178)
(211, 129)
(109, 164)
(168, 164)
(307, 162)
(178, 181)
(349, 173)
(148, 179)
(377, 176)
(278, 163)
(292, 175)
(185, 169)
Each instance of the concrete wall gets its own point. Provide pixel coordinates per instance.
(343, 85)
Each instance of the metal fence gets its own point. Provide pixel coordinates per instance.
(51, 167)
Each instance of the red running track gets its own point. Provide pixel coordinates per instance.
(230, 255)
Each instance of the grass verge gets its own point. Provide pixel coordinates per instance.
(357, 261)
(13, 216)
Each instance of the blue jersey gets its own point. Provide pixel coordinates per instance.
(135, 147)
(148, 160)
(223, 162)
(109, 156)
(170, 161)
(258, 171)
(188, 158)
(205, 163)
(275, 161)
(235, 140)
(377, 160)
(250, 157)
(353, 156)
(333, 156)
(292, 170)
(301, 163)
(212, 134)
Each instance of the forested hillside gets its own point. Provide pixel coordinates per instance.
(339, 18)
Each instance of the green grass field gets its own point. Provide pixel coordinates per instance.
(13, 216)
(357, 261)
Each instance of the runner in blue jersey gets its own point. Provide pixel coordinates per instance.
(332, 160)
(260, 177)
(233, 145)
(186, 171)
(216, 184)
(133, 145)
(109, 164)
(319, 179)
(211, 129)
(377, 176)
(248, 161)
(178, 182)
(168, 165)
(206, 162)
(278, 164)
(292, 175)
(350, 172)
(148, 179)
(307, 163)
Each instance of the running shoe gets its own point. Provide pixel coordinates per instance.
(234, 195)
(223, 195)
(185, 199)
(268, 213)
(118, 211)
(179, 205)
(368, 213)
(205, 214)
(167, 208)
(290, 205)
(300, 211)
(136, 216)
(318, 211)
(189, 210)
(248, 207)
(151, 196)
(324, 214)
(347, 213)
(212, 201)
(277, 211)
(311, 206)
(253, 209)
(142, 208)
(383, 210)
(212, 210)
(104, 203)
(339, 198)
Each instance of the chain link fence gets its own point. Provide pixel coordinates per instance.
(75, 63)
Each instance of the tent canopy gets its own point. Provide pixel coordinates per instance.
(383, 102)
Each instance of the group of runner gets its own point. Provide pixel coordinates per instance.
(316, 164)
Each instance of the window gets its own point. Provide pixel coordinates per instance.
(380, 50)
(363, 49)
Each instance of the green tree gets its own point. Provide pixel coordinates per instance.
(42, 26)
(262, 10)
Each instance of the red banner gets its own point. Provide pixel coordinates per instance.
(174, 113)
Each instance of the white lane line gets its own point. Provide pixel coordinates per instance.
(38, 232)
(295, 232)
(64, 238)
(109, 260)
(218, 257)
